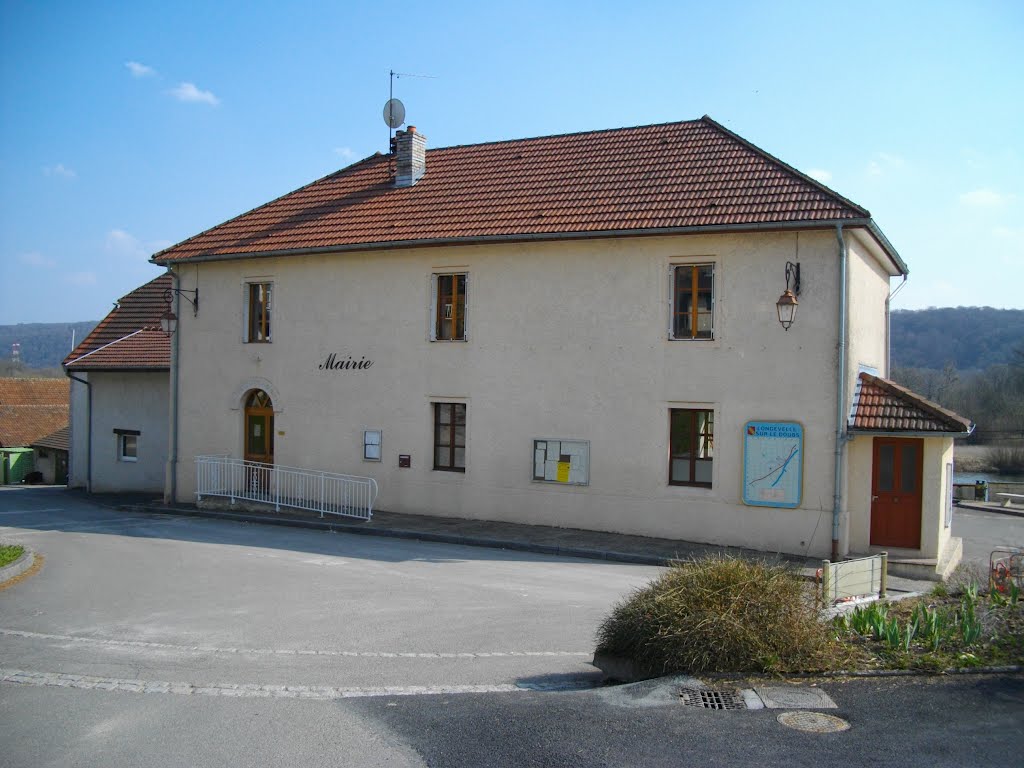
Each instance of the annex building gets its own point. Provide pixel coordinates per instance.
(120, 397)
(590, 330)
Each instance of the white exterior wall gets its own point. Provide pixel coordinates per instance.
(867, 331)
(566, 340)
(938, 452)
(868, 291)
(45, 465)
(78, 441)
(135, 401)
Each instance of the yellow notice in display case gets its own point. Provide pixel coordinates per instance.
(563, 471)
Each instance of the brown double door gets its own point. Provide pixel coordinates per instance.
(896, 492)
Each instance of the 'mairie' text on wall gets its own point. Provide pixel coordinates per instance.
(338, 363)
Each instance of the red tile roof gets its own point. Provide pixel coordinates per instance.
(31, 409)
(59, 440)
(146, 349)
(22, 425)
(34, 391)
(129, 337)
(880, 405)
(645, 180)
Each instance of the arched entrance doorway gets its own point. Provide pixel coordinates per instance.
(259, 440)
(259, 427)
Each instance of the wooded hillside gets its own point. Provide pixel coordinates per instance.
(43, 345)
(971, 338)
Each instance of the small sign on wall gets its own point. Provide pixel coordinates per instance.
(404, 461)
(773, 455)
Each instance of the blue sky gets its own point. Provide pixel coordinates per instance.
(126, 127)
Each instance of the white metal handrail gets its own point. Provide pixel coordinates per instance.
(323, 492)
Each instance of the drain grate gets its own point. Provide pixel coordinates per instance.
(712, 699)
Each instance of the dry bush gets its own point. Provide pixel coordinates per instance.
(1006, 459)
(720, 615)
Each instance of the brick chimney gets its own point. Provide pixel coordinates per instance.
(410, 157)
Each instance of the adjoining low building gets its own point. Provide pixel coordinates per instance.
(120, 395)
(30, 409)
(591, 330)
(51, 457)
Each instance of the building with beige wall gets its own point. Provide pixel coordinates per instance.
(120, 394)
(577, 331)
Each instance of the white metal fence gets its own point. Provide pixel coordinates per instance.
(854, 578)
(323, 492)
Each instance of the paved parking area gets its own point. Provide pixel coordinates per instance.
(190, 601)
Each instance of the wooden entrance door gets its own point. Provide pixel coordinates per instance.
(896, 492)
(259, 439)
(259, 428)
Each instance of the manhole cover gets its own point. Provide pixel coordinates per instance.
(712, 699)
(813, 722)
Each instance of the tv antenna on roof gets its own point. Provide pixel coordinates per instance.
(394, 109)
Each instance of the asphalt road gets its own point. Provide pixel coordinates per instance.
(983, 531)
(162, 641)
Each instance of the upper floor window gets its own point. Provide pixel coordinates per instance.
(450, 294)
(693, 301)
(258, 309)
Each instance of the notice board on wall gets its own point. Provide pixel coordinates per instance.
(561, 461)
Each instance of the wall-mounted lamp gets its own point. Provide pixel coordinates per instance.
(787, 303)
(169, 320)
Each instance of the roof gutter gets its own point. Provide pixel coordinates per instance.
(825, 224)
(143, 369)
(908, 433)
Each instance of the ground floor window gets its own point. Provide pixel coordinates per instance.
(691, 446)
(127, 444)
(450, 437)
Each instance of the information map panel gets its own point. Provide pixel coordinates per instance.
(773, 457)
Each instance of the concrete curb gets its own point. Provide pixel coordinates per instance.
(998, 509)
(858, 673)
(398, 533)
(18, 567)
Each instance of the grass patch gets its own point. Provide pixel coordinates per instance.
(9, 553)
(722, 615)
(742, 616)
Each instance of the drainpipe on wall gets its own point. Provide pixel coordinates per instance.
(88, 431)
(837, 501)
(888, 326)
(171, 487)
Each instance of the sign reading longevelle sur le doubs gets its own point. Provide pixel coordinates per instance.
(773, 457)
(335, 362)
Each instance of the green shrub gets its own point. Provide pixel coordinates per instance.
(719, 615)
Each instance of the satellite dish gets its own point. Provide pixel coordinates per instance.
(394, 113)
